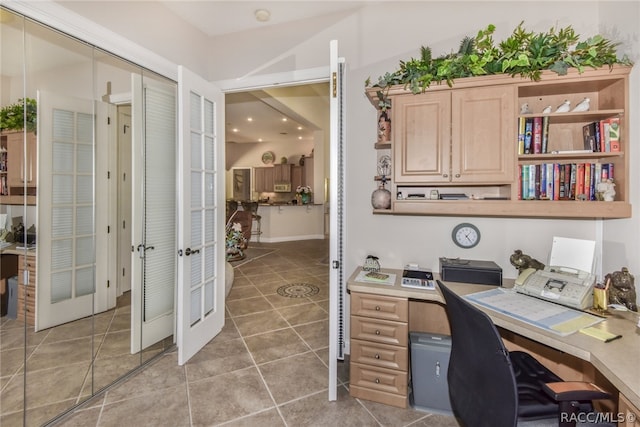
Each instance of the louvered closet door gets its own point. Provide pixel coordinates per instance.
(66, 240)
(154, 212)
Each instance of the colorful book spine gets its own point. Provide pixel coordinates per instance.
(614, 133)
(579, 193)
(598, 136)
(557, 187)
(521, 129)
(520, 182)
(537, 135)
(528, 134)
(543, 181)
(550, 181)
(545, 134)
(532, 182)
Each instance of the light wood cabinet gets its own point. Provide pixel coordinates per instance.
(629, 414)
(282, 173)
(26, 302)
(263, 179)
(464, 141)
(379, 361)
(463, 136)
(18, 173)
(297, 177)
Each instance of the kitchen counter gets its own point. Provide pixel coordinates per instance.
(282, 222)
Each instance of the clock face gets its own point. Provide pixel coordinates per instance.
(466, 235)
(267, 157)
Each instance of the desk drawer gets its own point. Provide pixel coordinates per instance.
(28, 293)
(380, 379)
(379, 331)
(382, 355)
(380, 307)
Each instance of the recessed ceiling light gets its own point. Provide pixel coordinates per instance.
(299, 127)
(299, 137)
(262, 15)
(249, 119)
(284, 119)
(259, 139)
(235, 129)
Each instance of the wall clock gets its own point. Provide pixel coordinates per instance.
(465, 235)
(267, 157)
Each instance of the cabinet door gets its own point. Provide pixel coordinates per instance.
(258, 180)
(282, 173)
(297, 173)
(483, 141)
(421, 137)
(21, 173)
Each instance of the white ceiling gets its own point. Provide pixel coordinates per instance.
(215, 17)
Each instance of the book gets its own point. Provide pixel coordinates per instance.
(556, 182)
(525, 182)
(598, 136)
(545, 134)
(538, 181)
(543, 181)
(579, 192)
(589, 136)
(614, 133)
(550, 181)
(532, 182)
(521, 128)
(561, 183)
(537, 135)
(606, 136)
(528, 134)
(572, 181)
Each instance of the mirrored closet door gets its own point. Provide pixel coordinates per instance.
(70, 126)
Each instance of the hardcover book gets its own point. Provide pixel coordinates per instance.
(528, 134)
(614, 133)
(589, 136)
(545, 134)
(537, 135)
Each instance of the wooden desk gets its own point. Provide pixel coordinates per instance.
(613, 365)
(14, 263)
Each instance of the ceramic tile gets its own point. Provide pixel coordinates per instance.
(248, 306)
(305, 313)
(315, 334)
(258, 323)
(275, 345)
(295, 376)
(270, 418)
(228, 397)
(243, 292)
(218, 357)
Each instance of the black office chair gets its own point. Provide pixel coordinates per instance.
(490, 386)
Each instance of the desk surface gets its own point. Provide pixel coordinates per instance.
(13, 250)
(617, 360)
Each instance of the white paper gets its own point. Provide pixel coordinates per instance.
(573, 253)
(3, 221)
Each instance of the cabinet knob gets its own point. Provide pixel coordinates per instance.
(377, 332)
(377, 356)
(377, 308)
(377, 380)
(457, 175)
(445, 175)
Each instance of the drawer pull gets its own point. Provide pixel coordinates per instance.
(377, 356)
(377, 380)
(377, 308)
(377, 332)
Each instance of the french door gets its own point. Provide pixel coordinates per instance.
(201, 257)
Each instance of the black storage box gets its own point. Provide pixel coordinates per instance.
(470, 271)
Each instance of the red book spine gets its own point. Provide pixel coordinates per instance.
(556, 181)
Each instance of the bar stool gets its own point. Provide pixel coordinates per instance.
(253, 207)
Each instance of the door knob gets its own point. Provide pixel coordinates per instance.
(188, 251)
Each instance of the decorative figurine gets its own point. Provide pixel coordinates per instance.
(582, 106)
(522, 261)
(546, 110)
(381, 198)
(564, 107)
(606, 190)
(524, 108)
(371, 264)
(384, 127)
(622, 289)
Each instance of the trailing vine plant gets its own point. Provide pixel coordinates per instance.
(524, 53)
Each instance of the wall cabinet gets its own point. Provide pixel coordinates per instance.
(282, 173)
(18, 174)
(462, 143)
(297, 177)
(263, 179)
(379, 360)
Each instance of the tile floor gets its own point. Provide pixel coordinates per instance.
(268, 367)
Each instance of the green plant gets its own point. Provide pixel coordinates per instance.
(523, 53)
(12, 117)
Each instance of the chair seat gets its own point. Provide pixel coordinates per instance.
(530, 375)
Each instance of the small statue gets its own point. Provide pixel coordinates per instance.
(622, 289)
(606, 191)
(522, 261)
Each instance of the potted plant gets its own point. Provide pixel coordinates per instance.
(523, 53)
(303, 192)
(13, 117)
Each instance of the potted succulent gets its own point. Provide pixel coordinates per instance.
(13, 117)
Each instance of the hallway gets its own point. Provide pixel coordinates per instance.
(268, 366)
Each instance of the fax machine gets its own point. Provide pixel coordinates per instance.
(573, 288)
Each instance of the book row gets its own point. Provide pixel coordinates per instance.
(602, 136)
(598, 136)
(562, 181)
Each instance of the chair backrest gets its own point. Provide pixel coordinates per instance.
(482, 385)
